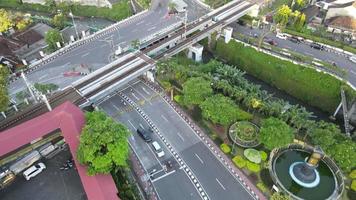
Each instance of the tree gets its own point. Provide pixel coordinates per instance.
(58, 21)
(52, 37)
(279, 196)
(344, 154)
(282, 15)
(222, 110)
(195, 91)
(299, 23)
(103, 144)
(135, 44)
(52, 5)
(5, 21)
(275, 133)
(4, 98)
(324, 138)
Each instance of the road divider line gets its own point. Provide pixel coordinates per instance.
(141, 126)
(202, 162)
(85, 54)
(221, 185)
(132, 124)
(134, 95)
(181, 137)
(144, 89)
(115, 107)
(164, 118)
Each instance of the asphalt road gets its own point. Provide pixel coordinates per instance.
(340, 60)
(98, 53)
(210, 172)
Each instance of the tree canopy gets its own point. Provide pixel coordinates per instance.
(222, 110)
(275, 133)
(195, 91)
(282, 15)
(52, 37)
(103, 144)
(344, 154)
(279, 196)
(4, 98)
(59, 20)
(5, 20)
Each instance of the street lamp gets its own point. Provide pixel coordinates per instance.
(75, 26)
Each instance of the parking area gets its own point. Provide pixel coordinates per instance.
(52, 183)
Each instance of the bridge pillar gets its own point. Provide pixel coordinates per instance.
(228, 34)
(196, 52)
(150, 76)
(254, 10)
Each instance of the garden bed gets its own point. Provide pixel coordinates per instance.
(244, 134)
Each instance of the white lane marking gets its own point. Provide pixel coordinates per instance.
(352, 71)
(43, 76)
(169, 173)
(221, 185)
(85, 54)
(163, 117)
(131, 124)
(144, 89)
(67, 63)
(133, 94)
(309, 54)
(141, 126)
(181, 137)
(115, 106)
(202, 162)
(150, 29)
(139, 23)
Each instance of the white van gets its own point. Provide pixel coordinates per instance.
(353, 59)
(158, 149)
(34, 170)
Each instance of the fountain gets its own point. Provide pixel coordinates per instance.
(305, 173)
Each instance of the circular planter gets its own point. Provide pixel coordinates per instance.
(244, 134)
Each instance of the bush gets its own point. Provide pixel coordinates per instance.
(352, 175)
(239, 161)
(264, 155)
(178, 99)
(225, 148)
(353, 185)
(166, 85)
(296, 80)
(253, 167)
(253, 155)
(262, 187)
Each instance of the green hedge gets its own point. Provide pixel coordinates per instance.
(225, 148)
(353, 185)
(239, 161)
(352, 175)
(315, 88)
(264, 155)
(322, 40)
(253, 167)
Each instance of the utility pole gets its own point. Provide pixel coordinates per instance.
(75, 26)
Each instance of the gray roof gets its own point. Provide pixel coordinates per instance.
(68, 31)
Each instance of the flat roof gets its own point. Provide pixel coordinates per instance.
(70, 120)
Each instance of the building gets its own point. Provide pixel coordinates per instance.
(69, 120)
(69, 33)
(98, 3)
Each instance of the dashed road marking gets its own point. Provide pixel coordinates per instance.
(141, 126)
(196, 155)
(165, 119)
(132, 124)
(133, 94)
(181, 137)
(221, 185)
(85, 54)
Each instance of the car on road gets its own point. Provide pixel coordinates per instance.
(158, 149)
(317, 46)
(34, 170)
(144, 134)
(294, 39)
(281, 36)
(352, 59)
(271, 42)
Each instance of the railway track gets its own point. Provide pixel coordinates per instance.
(71, 94)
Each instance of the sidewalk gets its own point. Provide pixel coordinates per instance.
(249, 186)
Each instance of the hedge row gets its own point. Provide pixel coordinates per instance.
(314, 88)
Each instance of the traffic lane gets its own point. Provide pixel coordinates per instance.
(143, 150)
(213, 175)
(176, 186)
(169, 123)
(143, 90)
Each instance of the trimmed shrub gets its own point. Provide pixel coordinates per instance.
(352, 175)
(239, 161)
(253, 167)
(225, 148)
(166, 85)
(262, 187)
(353, 185)
(264, 155)
(253, 155)
(178, 99)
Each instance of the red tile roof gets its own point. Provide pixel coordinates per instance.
(70, 120)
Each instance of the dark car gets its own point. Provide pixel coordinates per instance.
(144, 134)
(316, 46)
(271, 42)
(294, 39)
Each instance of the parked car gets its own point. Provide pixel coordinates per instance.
(158, 149)
(6, 178)
(34, 170)
(144, 134)
(317, 46)
(294, 39)
(281, 36)
(352, 59)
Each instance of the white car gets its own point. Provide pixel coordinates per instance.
(34, 170)
(353, 59)
(281, 36)
(158, 149)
